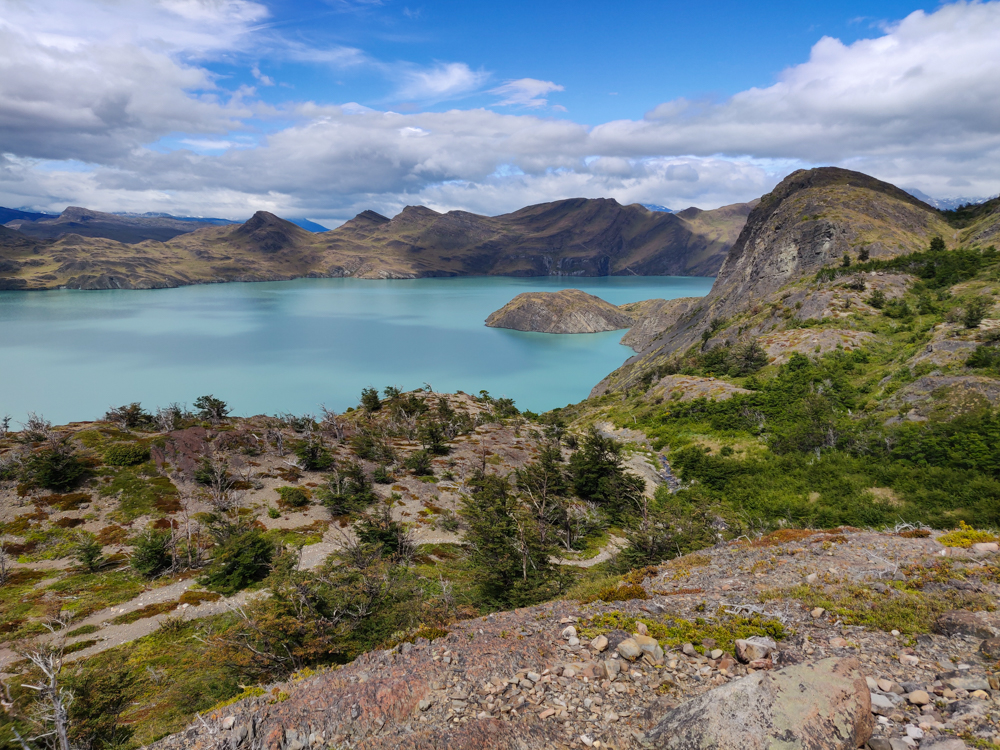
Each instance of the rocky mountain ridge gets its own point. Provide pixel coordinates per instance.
(576, 237)
(814, 219)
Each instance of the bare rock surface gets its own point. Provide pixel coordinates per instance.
(819, 706)
(476, 687)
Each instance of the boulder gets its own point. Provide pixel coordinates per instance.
(990, 648)
(754, 648)
(963, 622)
(650, 646)
(824, 705)
(629, 649)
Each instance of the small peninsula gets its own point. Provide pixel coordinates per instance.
(565, 311)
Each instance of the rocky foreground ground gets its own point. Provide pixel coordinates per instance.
(572, 675)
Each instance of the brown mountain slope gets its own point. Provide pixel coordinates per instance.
(810, 220)
(579, 237)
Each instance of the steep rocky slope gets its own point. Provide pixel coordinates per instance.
(812, 220)
(565, 311)
(573, 237)
(696, 656)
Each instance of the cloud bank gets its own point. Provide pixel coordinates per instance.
(86, 110)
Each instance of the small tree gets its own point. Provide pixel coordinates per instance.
(975, 311)
(55, 468)
(370, 401)
(864, 255)
(313, 455)
(846, 261)
(877, 299)
(348, 490)
(419, 462)
(242, 556)
(748, 357)
(432, 438)
(211, 408)
(509, 561)
(937, 244)
(151, 552)
(101, 698)
(88, 552)
(128, 417)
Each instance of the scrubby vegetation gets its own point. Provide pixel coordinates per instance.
(816, 439)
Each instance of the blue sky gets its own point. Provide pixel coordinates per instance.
(614, 61)
(324, 108)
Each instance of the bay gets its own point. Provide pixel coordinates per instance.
(281, 347)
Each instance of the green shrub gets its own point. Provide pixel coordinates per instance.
(975, 311)
(151, 552)
(54, 469)
(239, 560)
(292, 497)
(877, 299)
(984, 357)
(126, 454)
(88, 552)
(419, 462)
(313, 455)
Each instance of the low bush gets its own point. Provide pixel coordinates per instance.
(293, 497)
(126, 454)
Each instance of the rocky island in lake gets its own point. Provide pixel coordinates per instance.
(565, 311)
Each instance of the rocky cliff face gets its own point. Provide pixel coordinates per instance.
(811, 220)
(565, 311)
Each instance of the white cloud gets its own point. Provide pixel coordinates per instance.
(525, 92)
(923, 97)
(439, 82)
(919, 105)
(263, 80)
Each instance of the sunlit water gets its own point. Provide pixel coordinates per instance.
(291, 346)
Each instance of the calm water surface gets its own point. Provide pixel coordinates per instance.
(293, 345)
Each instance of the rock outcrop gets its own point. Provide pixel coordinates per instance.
(825, 705)
(565, 311)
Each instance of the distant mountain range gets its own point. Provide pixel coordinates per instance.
(577, 237)
(129, 228)
(947, 204)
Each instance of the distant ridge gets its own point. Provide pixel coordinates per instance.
(948, 204)
(86, 249)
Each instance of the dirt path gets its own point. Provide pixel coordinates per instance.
(614, 544)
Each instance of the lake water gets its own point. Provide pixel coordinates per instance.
(293, 345)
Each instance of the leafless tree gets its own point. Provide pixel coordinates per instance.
(169, 417)
(50, 712)
(330, 423)
(275, 436)
(36, 429)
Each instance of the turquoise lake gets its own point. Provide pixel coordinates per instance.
(280, 347)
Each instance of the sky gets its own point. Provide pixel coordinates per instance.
(321, 109)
